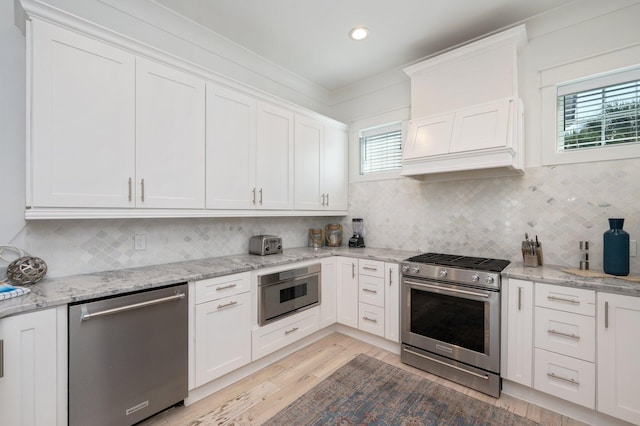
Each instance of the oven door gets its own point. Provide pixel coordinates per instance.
(286, 297)
(456, 322)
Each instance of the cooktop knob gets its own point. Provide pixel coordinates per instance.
(489, 280)
(443, 273)
(475, 278)
(405, 268)
(415, 269)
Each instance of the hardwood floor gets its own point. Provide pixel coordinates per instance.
(255, 399)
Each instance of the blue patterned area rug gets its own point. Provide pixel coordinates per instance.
(370, 392)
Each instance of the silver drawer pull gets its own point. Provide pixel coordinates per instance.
(559, 333)
(562, 299)
(553, 376)
(369, 290)
(370, 319)
(369, 268)
(226, 305)
(224, 287)
(290, 331)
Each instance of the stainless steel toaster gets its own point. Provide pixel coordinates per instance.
(265, 244)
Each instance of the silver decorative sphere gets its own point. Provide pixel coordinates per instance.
(26, 270)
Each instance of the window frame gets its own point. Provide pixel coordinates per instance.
(397, 116)
(552, 85)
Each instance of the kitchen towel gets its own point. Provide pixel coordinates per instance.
(8, 291)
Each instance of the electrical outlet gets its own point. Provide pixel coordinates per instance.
(633, 248)
(140, 242)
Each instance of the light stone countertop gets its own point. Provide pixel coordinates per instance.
(58, 291)
(554, 274)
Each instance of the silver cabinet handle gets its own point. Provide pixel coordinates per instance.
(87, 316)
(327, 199)
(323, 199)
(353, 270)
(519, 298)
(224, 287)
(390, 277)
(368, 290)
(130, 195)
(254, 196)
(553, 376)
(606, 314)
(260, 196)
(226, 305)
(142, 190)
(290, 331)
(561, 334)
(562, 299)
(1, 358)
(369, 268)
(370, 319)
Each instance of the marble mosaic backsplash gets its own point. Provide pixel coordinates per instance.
(483, 217)
(562, 205)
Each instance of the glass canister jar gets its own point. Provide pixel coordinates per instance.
(333, 235)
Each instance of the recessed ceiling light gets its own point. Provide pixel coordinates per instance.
(359, 33)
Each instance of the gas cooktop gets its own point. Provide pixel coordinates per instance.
(464, 262)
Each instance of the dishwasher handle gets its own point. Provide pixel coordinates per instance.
(87, 316)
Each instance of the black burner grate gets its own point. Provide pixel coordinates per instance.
(466, 262)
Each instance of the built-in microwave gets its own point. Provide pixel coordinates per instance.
(284, 293)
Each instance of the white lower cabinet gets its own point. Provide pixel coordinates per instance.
(518, 330)
(222, 326)
(29, 387)
(328, 296)
(568, 378)
(619, 356)
(371, 319)
(271, 337)
(392, 302)
(347, 292)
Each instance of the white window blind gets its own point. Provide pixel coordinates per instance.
(592, 117)
(381, 149)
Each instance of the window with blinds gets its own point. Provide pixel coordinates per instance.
(381, 149)
(592, 117)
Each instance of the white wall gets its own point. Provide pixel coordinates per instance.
(488, 217)
(12, 124)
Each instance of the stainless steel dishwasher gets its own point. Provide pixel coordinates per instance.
(128, 356)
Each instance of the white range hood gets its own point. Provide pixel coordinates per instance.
(466, 114)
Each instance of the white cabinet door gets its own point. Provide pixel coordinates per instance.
(309, 140)
(392, 302)
(222, 336)
(618, 319)
(170, 144)
(335, 173)
(347, 292)
(518, 339)
(428, 136)
(328, 296)
(28, 387)
(231, 149)
(274, 170)
(82, 149)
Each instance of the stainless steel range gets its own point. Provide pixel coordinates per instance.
(450, 318)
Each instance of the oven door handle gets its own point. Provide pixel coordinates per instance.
(446, 289)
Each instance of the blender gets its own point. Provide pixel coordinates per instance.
(357, 240)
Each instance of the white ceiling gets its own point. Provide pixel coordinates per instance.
(310, 37)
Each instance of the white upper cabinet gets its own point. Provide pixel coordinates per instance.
(231, 149)
(274, 159)
(82, 123)
(465, 109)
(321, 174)
(170, 131)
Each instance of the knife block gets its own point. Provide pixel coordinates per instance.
(531, 259)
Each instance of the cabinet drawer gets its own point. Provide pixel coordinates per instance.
(371, 290)
(566, 333)
(372, 268)
(277, 335)
(565, 377)
(371, 319)
(219, 287)
(568, 299)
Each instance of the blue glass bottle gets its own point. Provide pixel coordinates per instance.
(616, 249)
